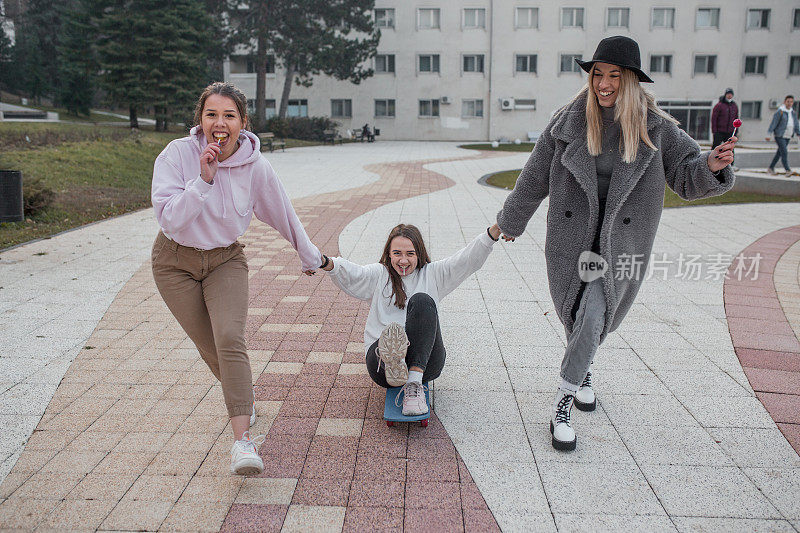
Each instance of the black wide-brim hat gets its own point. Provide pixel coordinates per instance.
(618, 50)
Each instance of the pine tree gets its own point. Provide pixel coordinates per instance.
(37, 39)
(77, 64)
(187, 40)
(123, 47)
(154, 53)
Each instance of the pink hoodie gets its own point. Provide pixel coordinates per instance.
(194, 213)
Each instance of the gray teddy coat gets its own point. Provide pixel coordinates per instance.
(560, 166)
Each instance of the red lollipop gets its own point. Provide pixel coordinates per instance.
(736, 124)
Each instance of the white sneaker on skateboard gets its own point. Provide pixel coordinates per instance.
(392, 347)
(414, 403)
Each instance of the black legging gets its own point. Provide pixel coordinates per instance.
(425, 335)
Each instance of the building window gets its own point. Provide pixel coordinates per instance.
(694, 116)
(384, 63)
(474, 18)
(572, 17)
(527, 17)
(757, 19)
(663, 17)
(526, 63)
(428, 18)
(751, 110)
(297, 108)
(471, 108)
(705, 64)
(429, 108)
(384, 18)
(384, 108)
(794, 65)
(473, 63)
(269, 106)
(521, 103)
(618, 17)
(662, 63)
(429, 63)
(568, 63)
(707, 17)
(755, 64)
(796, 19)
(244, 64)
(341, 108)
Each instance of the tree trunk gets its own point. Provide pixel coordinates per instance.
(261, 68)
(261, 84)
(287, 87)
(134, 117)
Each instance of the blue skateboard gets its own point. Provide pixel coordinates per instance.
(392, 413)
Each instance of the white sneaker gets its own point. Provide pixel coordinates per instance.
(244, 455)
(585, 399)
(414, 403)
(560, 424)
(392, 348)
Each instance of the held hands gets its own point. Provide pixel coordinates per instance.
(209, 162)
(495, 232)
(721, 156)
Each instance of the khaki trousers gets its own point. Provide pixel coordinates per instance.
(207, 292)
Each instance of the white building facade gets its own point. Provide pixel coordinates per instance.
(493, 69)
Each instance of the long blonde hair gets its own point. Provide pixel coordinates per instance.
(633, 103)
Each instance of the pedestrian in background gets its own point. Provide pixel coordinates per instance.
(783, 126)
(722, 117)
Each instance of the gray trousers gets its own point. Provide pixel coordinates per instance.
(584, 339)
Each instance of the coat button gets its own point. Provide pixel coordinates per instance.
(626, 220)
(568, 214)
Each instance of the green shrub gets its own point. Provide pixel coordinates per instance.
(36, 196)
(305, 128)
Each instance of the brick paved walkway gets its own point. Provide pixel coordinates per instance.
(135, 437)
(764, 320)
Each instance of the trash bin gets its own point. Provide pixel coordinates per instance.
(11, 209)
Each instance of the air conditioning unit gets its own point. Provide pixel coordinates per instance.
(506, 104)
(444, 100)
(774, 103)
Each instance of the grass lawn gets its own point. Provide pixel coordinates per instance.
(505, 147)
(96, 172)
(508, 178)
(108, 174)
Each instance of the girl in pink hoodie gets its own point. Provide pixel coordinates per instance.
(206, 188)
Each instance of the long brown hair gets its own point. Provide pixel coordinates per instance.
(413, 234)
(633, 103)
(223, 89)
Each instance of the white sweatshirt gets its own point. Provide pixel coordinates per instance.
(436, 279)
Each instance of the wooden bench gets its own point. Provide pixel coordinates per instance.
(331, 136)
(268, 140)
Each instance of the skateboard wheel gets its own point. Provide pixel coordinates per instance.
(390, 423)
(424, 423)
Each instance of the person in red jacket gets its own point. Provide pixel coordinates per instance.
(722, 117)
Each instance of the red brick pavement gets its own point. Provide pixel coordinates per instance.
(763, 337)
(329, 433)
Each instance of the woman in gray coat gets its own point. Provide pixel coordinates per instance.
(604, 160)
